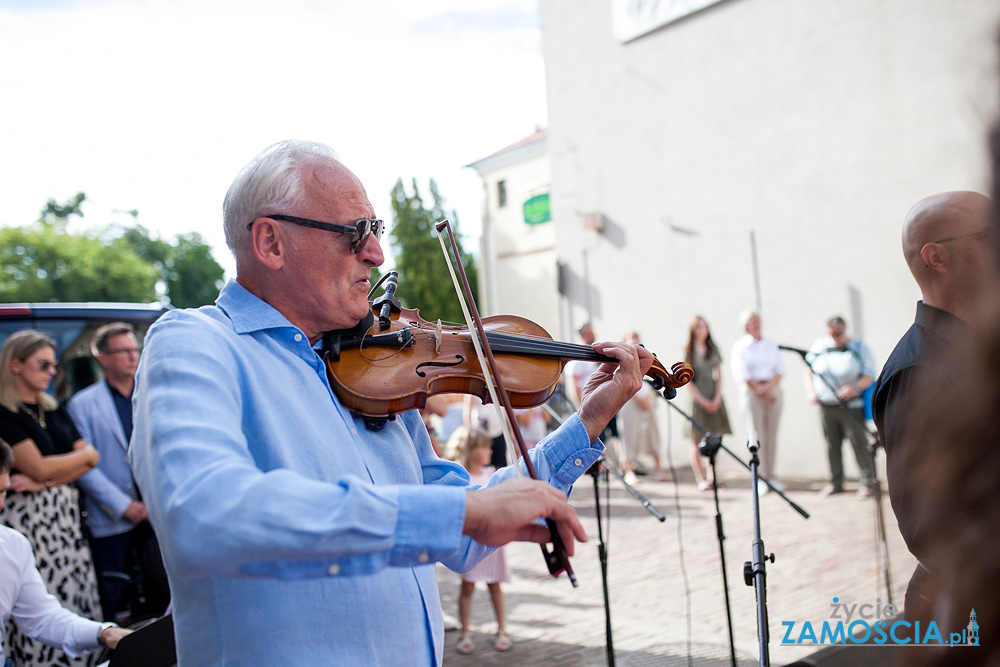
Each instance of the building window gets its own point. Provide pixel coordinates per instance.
(501, 193)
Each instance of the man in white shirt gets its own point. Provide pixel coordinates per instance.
(23, 595)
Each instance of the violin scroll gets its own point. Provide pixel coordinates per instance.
(679, 375)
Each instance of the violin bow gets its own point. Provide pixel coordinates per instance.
(556, 560)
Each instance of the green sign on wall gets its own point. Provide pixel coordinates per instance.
(536, 210)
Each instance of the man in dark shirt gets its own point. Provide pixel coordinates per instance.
(946, 245)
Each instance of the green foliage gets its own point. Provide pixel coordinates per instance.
(424, 281)
(193, 277)
(58, 214)
(44, 262)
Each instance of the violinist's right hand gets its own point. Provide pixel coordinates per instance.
(611, 385)
(509, 511)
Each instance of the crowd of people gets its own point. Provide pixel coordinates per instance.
(85, 559)
(269, 504)
(838, 369)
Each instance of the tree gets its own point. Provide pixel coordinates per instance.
(424, 281)
(194, 278)
(191, 277)
(44, 262)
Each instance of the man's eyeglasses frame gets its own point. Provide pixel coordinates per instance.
(359, 231)
(982, 233)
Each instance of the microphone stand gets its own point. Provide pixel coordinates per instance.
(602, 551)
(883, 545)
(755, 574)
(710, 447)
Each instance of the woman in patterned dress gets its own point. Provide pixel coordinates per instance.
(42, 502)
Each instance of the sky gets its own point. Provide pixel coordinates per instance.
(155, 105)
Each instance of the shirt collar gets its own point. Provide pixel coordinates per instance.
(247, 311)
(939, 321)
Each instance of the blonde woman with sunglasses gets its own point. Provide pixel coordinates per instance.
(42, 503)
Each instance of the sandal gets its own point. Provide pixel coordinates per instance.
(503, 642)
(465, 644)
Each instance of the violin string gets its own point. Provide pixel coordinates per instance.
(527, 344)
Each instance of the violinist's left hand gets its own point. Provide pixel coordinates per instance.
(611, 385)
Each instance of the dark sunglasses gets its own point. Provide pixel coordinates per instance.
(359, 231)
(44, 365)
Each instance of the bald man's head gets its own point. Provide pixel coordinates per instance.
(940, 217)
(945, 243)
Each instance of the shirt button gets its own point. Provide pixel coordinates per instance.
(333, 570)
(578, 462)
(298, 337)
(423, 557)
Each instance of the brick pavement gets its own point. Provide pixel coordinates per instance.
(664, 597)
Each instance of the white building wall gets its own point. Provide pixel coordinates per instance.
(813, 125)
(519, 260)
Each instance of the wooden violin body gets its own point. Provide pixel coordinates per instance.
(394, 366)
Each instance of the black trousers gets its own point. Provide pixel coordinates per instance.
(130, 574)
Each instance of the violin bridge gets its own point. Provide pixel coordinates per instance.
(437, 338)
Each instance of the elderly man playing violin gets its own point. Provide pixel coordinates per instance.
(293, 533)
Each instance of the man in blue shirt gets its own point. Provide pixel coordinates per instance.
(291, 533)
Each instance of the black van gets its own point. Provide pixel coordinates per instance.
(72, 326)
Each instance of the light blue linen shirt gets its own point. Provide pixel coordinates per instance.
(291, 534)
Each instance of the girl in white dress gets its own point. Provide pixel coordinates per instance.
(472, 447)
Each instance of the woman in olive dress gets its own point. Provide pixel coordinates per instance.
(42, 503)
(707, 406)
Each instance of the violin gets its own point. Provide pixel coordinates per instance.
(395, 364)
(379, 373)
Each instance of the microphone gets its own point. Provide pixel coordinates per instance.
(797, 350)
(388, 301)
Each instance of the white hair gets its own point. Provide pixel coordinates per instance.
(270, 183)
(748, 315)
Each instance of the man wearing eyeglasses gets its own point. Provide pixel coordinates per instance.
(117, 518)
(946, 246)
(840, 370)
(292, 531)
